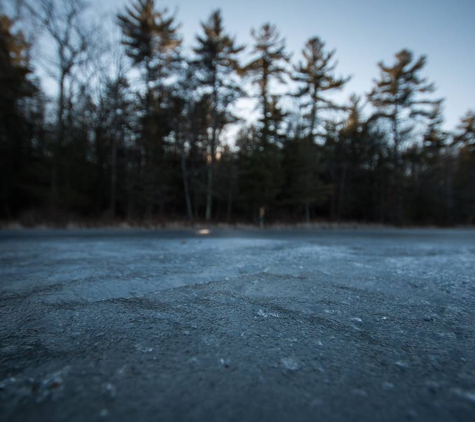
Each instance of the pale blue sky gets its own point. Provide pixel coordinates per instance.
(363, 32)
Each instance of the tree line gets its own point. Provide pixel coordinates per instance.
(141, 130)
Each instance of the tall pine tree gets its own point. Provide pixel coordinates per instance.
(218, 63)
(397, 99)
(269, 63)
(315, 77)
(152, 42)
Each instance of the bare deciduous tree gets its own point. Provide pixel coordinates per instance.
(65, 25)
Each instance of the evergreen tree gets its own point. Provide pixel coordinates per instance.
(396, 98)
(268, 64)
(315, 78)
(262, 172)
(152, 42)
(217, 62)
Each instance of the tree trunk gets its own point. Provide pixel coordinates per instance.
(307, 212)
(230, 205)
(449, 200)
(214, 128)
(398, 172)
(186, 184)
(56, 160)
(209, 187)
(341, 193)
(265, 121)
(5, 198)
(113, 175)
(130, 190)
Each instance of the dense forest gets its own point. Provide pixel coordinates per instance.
(146, 130)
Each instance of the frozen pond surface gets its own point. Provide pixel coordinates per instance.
(238, 325)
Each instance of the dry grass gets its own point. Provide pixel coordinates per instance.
(74, 224)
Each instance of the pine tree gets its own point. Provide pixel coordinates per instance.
(217, 63)
(262, 172)
(396, 98)
(269, 64)
(152, 42)
(315, 78)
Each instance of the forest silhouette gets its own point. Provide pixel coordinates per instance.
(138, 130)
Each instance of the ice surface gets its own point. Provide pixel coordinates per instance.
(88, 269)
(262, 325)
(290, 364)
